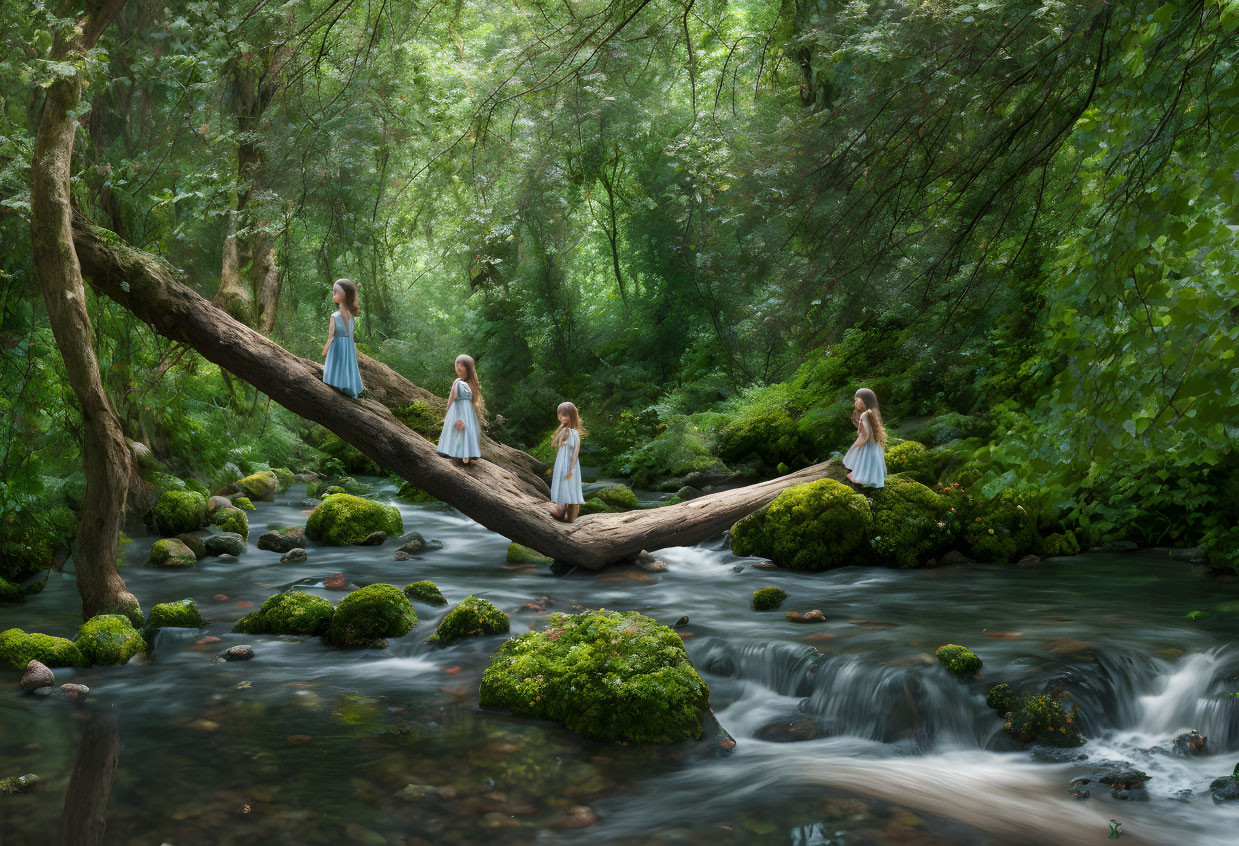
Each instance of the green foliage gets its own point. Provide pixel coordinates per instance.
(421, 419)
(350, 457)
(179, 511)
(410, 492)
(959, 659)
(17, 649)
(343, 519)
(768, 598)
(425, 591)
(816, 526)
(603, 674)
(1000, 530)
(109, 639)
(911, 523)
(1000, 697)
(473, 617)
(911, 459)
(678, 450)
(617, 497)
(369, 615)
(290, 613)
(1060, 544)
(1045, 718)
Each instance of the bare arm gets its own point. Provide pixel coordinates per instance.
(331, 334)
(576, 450)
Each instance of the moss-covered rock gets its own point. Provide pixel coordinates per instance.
(1000, 531)
(767, 432)
(371, 614)
(959, 659)
(334, 489)
(425, 591)
(262, 486)
(603, 674)
(285, 477)
(224, 543)
(179, 511)
(344, 519)
(194, 543)
(17, 649)
(291, 613)
(10, 592)
(1000, 697)
(243, 502)
(474, 616)
(109, 639)
(1045, 718)
(816, 526)
(911, 523)
(232, 519)
(912, 460)
(278, 540)
(594, 505)
(518, 554)
(768, 598)
(182, 614)
(618, 497)
(1060, 544)
(172, 554)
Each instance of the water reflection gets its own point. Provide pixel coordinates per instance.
(84, 820)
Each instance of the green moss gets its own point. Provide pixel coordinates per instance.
(334, 489)
(232, 519)
(1060, 544)
(1044, 718)
(518, 554)
(959, 659)
(421, 418)
(617, 497)
(679, 449)
(410, 492)
(910, 523)
(182, 614)
(911, 459)
(472, 617)
(1000, 531)
(594, 505)
(768, 598)
(179, 511)
(815, 526)
(17, 649)
(603, 674)
(344, 519)
(285, 476)
(10, 592)
(172, 554)
(291, 613)
(109, 639)
(262, 486)
(370, 614)
(763, 427)
(425, 591)
(1000, 698)
(243, 503)
(350, 457)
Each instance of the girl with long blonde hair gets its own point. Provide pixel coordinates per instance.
(867, 457)
(566, 495)
(462, 428)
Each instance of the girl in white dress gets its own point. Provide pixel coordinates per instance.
(867, 458)
(462, 429)
(566, 496)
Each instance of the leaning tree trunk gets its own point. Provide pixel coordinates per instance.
(492, 494)
(104, 447)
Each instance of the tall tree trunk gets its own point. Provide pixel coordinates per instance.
(84, 821)
(231, 296)
(56, 266)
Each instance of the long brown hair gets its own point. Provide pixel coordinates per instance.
(471, 379)
(870, 401)
(350, 297)
(574, 422)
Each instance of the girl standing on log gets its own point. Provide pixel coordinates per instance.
(566, 493)
(866, 459)
(340, 369)
(465, 407)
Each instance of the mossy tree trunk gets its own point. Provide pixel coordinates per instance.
(503, 493)
(105, 450)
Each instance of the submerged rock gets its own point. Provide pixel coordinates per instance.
(603, 674)
(473, 617)
(240, 652)
(814, 616)
(374, 539)
(958, 659)
(347, 520)
(172, 554)
(291, 613)
(1226, 788)
(768, 598)
(415, 544)
(283, 541)
(109, 639)
(37, 675)
(18, 649)
(1192, 743)
(371, 614)
(425, 591)
(194, 543)
(73, 692)
(297, 555)
(791, 730)
(225, 543)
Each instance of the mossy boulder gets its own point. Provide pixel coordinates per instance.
(262, 486)
(617, 497)
(1000, 697)
(109, 639)
(195, 544)
(291, 613)
(285, 477)
(959, 659)
(17, 649)
(1060, 544)
(1000, 531)
(344, 520)
(243, 502)
(182, 614)
(518, 554)
(911, 459)
(334, 489)
(603, 674)
(816, 526)
(172, 554)
(425, 591)
(224, 543)
(179, 511)
(1045, 718)
(911, 523)
(594, 505)
(473, 617)
(232, 519)
(768, 598)
(284, 540)
(371, 614)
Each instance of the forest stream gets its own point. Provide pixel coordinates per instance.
(309, 744)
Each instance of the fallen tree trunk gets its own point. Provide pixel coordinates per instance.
(491, 493)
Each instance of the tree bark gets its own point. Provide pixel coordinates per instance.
(105, 451)
(84, 820)
(493, 494)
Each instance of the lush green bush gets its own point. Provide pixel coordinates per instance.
(911, 523)
(1000, 530)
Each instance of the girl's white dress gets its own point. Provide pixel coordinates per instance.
(867, 461)
(461, 443)
(567, 491)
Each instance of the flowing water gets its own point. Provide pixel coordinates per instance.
(310, 745)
